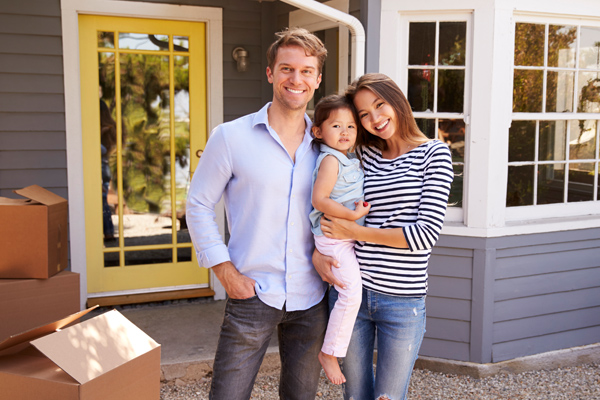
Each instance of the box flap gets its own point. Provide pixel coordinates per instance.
(41, 195)
(96, 346)
(40, 331)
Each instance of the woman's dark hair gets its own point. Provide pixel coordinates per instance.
(387, 90)
(325, 107)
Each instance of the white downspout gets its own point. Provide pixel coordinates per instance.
(357, 63)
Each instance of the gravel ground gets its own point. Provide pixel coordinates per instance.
(573, 383)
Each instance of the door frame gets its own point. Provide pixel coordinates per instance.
(70, 10)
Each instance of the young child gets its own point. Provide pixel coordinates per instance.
(338, 191)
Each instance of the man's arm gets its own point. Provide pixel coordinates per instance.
(212, 175)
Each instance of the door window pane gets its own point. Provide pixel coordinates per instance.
(452, 132)
(181, 43)
(156, 256)
(420, 89)
(421, 45)
(453, 40)
(143, 41)
(451, 89)
(106, 40)
(182, 144)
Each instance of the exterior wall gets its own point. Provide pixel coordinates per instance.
(492, 300)
(32, 131)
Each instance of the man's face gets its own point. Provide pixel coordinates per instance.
(295, 76)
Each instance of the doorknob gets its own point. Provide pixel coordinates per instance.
(199, 153)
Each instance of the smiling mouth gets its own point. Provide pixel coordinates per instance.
(382, 125)
(294, 91)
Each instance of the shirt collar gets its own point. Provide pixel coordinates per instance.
(339, 155)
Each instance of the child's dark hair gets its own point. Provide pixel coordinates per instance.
(325, 107)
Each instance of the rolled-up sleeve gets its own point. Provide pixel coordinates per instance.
(437, 179)
(212, 175)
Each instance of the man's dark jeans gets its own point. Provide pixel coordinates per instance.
(245, 334)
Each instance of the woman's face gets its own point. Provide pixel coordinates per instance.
(375, 114)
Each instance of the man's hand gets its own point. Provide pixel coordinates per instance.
(236, 285)
(324, 264)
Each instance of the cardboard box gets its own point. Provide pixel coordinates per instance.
(105, 357)
(33, 234)
(28, 303)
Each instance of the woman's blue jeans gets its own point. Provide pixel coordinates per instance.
(398, 325)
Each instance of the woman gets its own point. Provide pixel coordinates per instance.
(407, 183)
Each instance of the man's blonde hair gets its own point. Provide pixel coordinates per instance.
(300, 37)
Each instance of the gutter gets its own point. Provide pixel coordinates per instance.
(357, 63)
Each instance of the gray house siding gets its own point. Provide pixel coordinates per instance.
(495, 299)
(32, 127)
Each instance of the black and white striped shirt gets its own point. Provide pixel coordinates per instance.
(409, 192)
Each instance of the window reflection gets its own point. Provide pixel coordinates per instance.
(589, 48)
(581, 182)
(561, 46)
(582, 140)
(427, 126)
(452, 132)
(142, 41)
(559, 91)
(452, 46)
(421, 43)
(527, 90)
(552, 140)
(529, 44)
(451, 87)
(420, 89)
(521, 141)
(520, 186)
(551, 183)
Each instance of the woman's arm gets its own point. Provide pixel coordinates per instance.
(326, 179)
(338, 228)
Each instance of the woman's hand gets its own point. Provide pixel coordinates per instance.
(323, 265)
(338, 228)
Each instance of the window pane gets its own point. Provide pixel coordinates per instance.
(420, 89)
(582, 140)
(552, 140)
(106, 39)
(589, 92)
(184, 254)
(521, 141)
(452, 46)
(181, 43)
(520, 186)
(142, 41)
(561, 46)
(427, 126)
(527, 91)
(589, 48)
(456, 191)
(559, 91)
(421, 43)
(581, 182)
(452, 132)
(158, 256)
(182, 143)
(451, 90)
(551, 183)
(529, 44)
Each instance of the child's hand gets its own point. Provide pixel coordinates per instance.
(361, 209)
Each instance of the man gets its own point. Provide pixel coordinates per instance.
(262, 163)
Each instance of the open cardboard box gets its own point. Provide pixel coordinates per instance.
(33, 234)
(105, 357)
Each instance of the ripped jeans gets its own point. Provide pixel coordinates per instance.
(398, 324)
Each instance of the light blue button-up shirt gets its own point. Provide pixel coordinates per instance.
(267, 199)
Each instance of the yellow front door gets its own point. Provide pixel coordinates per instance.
(140, 79)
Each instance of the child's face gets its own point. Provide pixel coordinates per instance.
(338, 131)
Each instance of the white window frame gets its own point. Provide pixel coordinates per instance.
(453, 214)
(558, 210)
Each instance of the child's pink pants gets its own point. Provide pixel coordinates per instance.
(343, 315)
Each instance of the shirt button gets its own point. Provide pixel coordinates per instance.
(291, 223)
(291, 251)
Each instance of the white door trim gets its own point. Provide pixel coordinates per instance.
(70, 10)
